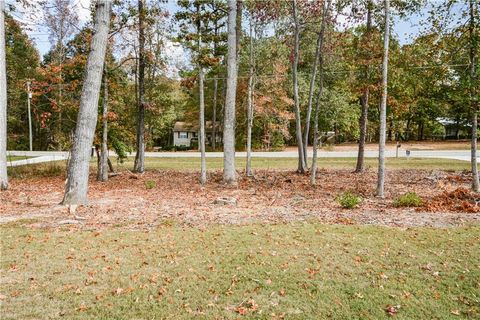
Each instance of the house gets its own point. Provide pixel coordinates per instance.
(186, 133)
(454, 129)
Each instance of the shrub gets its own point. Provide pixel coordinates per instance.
(409, 199)
(150, 184)
(176, 148)
(348, 200)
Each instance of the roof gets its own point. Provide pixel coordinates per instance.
(450, 122)
(194, 127)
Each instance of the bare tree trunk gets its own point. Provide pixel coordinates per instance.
(201, 138)
(325, 17)
(383, 106)
(103, 166)
(215, 92)
(77, 181)
(251, 85)
(214, 115)
(473, 94)
(310, 99)
(229, 174)
(139, 165)
(3, 102)
(364, 102)
(363, 123)
(238, 28)
(302, 166)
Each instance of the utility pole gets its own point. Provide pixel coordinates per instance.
(29, 115)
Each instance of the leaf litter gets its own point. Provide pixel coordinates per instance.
(272, 196)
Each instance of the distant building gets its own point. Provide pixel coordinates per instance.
(186, 133)
(454, 129)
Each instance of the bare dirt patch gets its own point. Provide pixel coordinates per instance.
(174, 197)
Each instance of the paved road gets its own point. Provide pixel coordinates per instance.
(44, 156)
(36, 159)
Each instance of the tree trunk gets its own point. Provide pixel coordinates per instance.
(383, 106)
(364, 102)
(229, 174)
(473, 95)
(77, 181)
(238, 27)
(201, 138)
(310, 99)
(325, 17)
(214, 115)
(140, 156)
(102, 174)
(3, 102)
(302, 167)
(215, 92)
(251, 86)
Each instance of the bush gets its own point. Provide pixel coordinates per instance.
(183, 148)
(176, 148)
(150, 184)
(409, 199)
(348, 200)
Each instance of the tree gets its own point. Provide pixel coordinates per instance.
(250, 103)
(3, 102)
(78, 167)
(366, 94)
(200, 23)
(302, 166)
(61, 21)
(102, 174)
(201, 138)
(22, 61)
(383, 104)
(217, 15)
(473, 39)
(139, 165)
(310, 96)
(325, 17)
(229, 173)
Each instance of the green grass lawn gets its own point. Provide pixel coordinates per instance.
(59, 167)
(15, 158)
(291, 163)
(295, 271)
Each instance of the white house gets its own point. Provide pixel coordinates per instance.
(185, 133)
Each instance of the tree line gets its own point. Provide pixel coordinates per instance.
(265, 73)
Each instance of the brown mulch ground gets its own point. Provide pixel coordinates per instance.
(271, 197)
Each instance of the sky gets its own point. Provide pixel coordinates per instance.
(403, 29)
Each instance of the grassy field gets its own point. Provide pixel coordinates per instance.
(295, 271)
(291, 163)
(59, 167)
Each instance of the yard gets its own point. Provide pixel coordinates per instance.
(157, 245)
(281, 271)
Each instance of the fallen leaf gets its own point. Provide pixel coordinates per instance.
(392, 310)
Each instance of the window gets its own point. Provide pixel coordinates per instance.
(183, 135)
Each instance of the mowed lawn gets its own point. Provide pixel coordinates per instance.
(15, 158)
(286, 271)
(291, 163)
(59, 167)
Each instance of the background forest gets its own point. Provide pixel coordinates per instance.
(428, 76)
